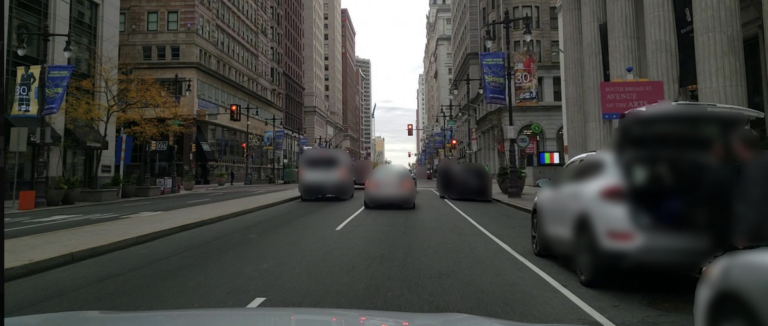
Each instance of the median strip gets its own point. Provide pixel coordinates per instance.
(39, 253)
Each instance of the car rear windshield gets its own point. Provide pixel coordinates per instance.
(321, 163)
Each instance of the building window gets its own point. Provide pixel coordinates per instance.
(516, 14)
(325, 26)
(493, 33)
(325, 16)
(527, 11)
(450, 71)
(175, 53)
(555, 51)
(326, 67)
(553, 23)
(147, 53)
(536, 19)
(326, 57)
(122, 22)
(493, 4)
(327, 88)
(161, 52)
(538, 50)
(173, 20)
(327, 77)
(556, 89)
(325, 37)
(517, 46)
(152, 21)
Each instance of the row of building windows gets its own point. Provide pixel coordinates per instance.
(160, 53)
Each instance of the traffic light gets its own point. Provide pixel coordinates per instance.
(234, 112)
(245, 153)
(194, 147)
(410, 129)
(409, 154)
(453, 143)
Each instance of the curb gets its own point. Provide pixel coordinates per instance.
(124, 200)
(515, 206)
(40, 266)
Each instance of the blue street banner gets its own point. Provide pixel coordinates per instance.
(494, 77)
(303, 142)
(439, 143)
(25, 100)
(279, 135)
(128, 150)
(56, 87)
(448, 137)
(268, 143)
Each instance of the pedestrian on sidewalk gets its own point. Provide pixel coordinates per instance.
(232, 176)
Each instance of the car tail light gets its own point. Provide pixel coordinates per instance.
(621, 236)
(613, 193)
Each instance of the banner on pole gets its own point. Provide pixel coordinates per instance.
(494, 77)
(279, 135)
(56, 87)
(25, 100)
(526, 79)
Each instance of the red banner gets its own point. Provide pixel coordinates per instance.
(620, 97)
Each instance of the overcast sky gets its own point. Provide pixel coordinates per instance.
(392, 34)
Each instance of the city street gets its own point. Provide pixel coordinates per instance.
(445, 256)
(37, 222)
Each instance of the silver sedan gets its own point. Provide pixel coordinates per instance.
(390, 185)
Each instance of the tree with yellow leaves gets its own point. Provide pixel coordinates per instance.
(113, 93)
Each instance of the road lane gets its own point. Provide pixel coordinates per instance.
(631, 299)
(426, 260)
(31, 223)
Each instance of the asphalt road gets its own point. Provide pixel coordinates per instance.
(445, 256)
(26, 224)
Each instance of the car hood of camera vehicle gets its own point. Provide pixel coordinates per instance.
(258, 316)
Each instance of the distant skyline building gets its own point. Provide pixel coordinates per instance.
(332, 67)
(316, 114)
(367, 87)
(380, 156)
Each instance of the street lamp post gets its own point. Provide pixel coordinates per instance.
(274, 120)
(172, 143)
(469, 80)
(514, 188)
(21, 50)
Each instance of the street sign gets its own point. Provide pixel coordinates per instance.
(523, 141)
(451, 122)
(511, 132)
(162, 145)
(536, 128)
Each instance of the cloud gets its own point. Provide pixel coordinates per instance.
(392, 35)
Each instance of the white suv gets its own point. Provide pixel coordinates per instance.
(650, 202)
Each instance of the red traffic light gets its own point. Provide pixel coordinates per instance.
(453, 141)
(234, 112)
(409, 154)
(243, 145)
(410, 129)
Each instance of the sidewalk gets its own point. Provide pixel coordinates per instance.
(198, 188)
(524, 203)
(38, 253)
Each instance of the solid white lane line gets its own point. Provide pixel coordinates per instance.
(36, 225)
(256, 303)
(142, 214)
(216, 194)
(197, 201)
(52, 218)
(350, 218)
(568, 294)
(136, 204)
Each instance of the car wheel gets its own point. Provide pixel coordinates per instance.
(365, 204)
(413, 206)
(731, 310)
(586, 260)
(537, 240)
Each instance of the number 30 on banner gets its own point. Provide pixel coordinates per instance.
(522, 77)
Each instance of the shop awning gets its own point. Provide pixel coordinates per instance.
(84, 137)
(32, 123)
(204, 152)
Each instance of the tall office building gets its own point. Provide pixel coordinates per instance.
(438, 70)
(546, 113)
(95, 26)
(379, 153)
(332, 67)
(421, 112)
(316, 114)
(293, 72)
(350, 87)
(366, 131)
(233, 52)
